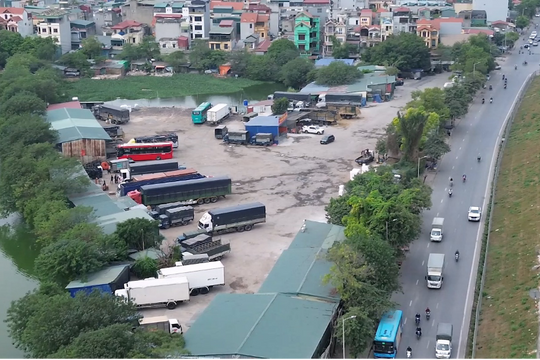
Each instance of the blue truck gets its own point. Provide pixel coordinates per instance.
(160, 178)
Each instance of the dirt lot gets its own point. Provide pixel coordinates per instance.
(295, 180)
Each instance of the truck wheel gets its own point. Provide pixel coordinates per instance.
(213, 199)
(171, 305)
(240, 229)
(205, 290)
(194, 292)
(248, 227)
(200, 201)
(207, 201)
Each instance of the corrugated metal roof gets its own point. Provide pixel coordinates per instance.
(83, 23)
(277, 326)
(151, 253)
(328, 61)
(263, 121)
(76, 124)
(102, 204)
(105, 276)
(108, 223)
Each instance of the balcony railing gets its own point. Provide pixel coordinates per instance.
(219, 38)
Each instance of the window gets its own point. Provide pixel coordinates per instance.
(319, 10)
(302, 47)
(55, 31)
(225, 46)
(198, 18)
(301, 37)
(133, 40)
(262, 35)
(251, 26)
(198, 36)
(164, 45)
(218, 46)
(174, 45)
(198, 27)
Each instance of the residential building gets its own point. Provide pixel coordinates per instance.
(428, 30)
(251, 42)
(479, 18)
(16, 20)
(404, 20)
(307, 31)
(334, 28)
(141, 11)
(263, 47)
(320, 8)
(254, 23)
(107, 18)
(495, 9)
(127, 31)
(220, 13)
(198, 13)
(80, 30)
(168, 28)
(222, 37)
(54, 23)
(462, 5)
(387, 24)
(168, 8)
(366, 17)
(449, 26)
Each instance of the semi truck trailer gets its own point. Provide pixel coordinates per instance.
(151, 167)
(158, 178)
(443, 341)
(163, 323)
(187, 192)
(204, 244)
(178, 216)
(154, 292)
(237, 137)
(216, 114)
(435, 267)
(111, 113)
(201, 277)
(235, 218)
(437, 229)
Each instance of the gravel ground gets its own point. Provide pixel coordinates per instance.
(295, 180)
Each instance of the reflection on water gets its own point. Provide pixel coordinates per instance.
(252, 94)
(17, 256)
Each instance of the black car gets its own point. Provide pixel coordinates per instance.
(327, 139)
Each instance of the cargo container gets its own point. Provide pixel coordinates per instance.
(158, 178)
(218, 113)
(171, 326)
(151, 167)
(156, 292)
(188, 192)
(201, 244)
(201, 277)
(237, 137)
(235, 218)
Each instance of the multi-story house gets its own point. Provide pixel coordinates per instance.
(80, 30)
(334, 28)
(54, 23)
(307, 31)
(254, 24)
(16, 20)
(107, 18)
(428, 30)
(223, 37)
(404, 20)
(386, 23)
(495, 9)
(168, 8)
(168, 28)
(366, 17)
(127, 31)
(198, 13)
(285, 9)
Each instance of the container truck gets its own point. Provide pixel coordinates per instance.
(220, 131)
(262, 139)
(113, 114)
(158, 178)
(236, 137)
(189, 259)
(178, 216)
(435, 267)
(235, 218)
(437, 229)
(156, 292)
(201, 277)
(150, 167)
(204, 244)
(218, 113)
(163, 323)
(443, 341)
(187, 192)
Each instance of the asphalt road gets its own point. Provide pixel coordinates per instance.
(478, 133)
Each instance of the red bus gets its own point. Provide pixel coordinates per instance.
(144, 152)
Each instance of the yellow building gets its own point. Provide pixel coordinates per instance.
(222, 37)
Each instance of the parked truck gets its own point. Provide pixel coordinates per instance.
(156, 292)
(443, 341)
(235, 218)
(113, 114)
(262, 139)
(171, 326)
(189, 192)
(137, 181)
(220, 131)
(366, 157)
(218, 113)
(190, 259)
(178, 216)
(437, 229)
(435, 267)
(201, 277)
(151, 167)
(204, 244)
(236, 137)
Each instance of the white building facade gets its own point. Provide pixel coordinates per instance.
(495, 9)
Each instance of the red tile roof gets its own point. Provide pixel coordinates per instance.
(65, 105)
(248, 18)
(478, 31)
(233, 4)
(259, 8)
(402, 9)
(499, 22)
(381, 9)
(16, 18)
(264, 46)
(366, 12)
(263, 18)
(126, 24)
(11, 10)
(226, 23)
(168, 16)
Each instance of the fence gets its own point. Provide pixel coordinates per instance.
(485, 238)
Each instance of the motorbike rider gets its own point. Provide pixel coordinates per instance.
(490, 87)
(464, 177)
(450, 192)
(409, 351)
(505, 86)
(428, 312)
(490, 100)
(479, 158)
(457, 254)
(451, 182)
(515, 67)
(417, 318)
(483, 100)
(418, 331)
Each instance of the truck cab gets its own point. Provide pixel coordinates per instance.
(437, 229)
(443, 341)
(205, 223)
(171, 326)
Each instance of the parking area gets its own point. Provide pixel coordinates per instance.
(295, 180)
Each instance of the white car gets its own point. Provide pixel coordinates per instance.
(312, 129)
(474, 213)
(535, 43)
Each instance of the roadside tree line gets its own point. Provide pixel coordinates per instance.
(381, 212)
(35, 181)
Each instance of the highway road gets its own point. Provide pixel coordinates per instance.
(479, 132)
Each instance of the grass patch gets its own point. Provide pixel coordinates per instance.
(508, 326)
(149, 87)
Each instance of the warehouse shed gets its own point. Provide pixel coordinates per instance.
(108, 222)
(79, 134)
(273, 124)
(107, 280)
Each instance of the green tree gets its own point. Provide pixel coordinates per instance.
(294, 74)
(145, 267)
(341, 50)
(67, 260)
(51, 226)
(527, 8)
(282, 51)
(457, 99)
(149, 48)
(262, 68)
(436, 146)
(337, 73)
(44, 49)
(177, 60)
(130, 52)
(92, 47)
(411, 127)
(430, 100)
(239, 61)
(25, 130)
(405, 51)
(24, 103)
(280, 106)
(202, 58)
(337, 209)
(139, 233)
(76, 59)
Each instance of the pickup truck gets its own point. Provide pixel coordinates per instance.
(312, 129)
(366, 157)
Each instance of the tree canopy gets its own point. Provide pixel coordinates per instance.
(337, 73)
(405, 51)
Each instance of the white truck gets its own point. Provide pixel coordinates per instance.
(171, 326)
(443, 341)
(437, 229)
(201, 277)
(156, 292)
(435, 267)
(218, 113)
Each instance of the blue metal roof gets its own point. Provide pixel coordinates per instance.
(263, 121)
(328, 61)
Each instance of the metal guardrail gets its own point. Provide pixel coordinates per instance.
(487, 230)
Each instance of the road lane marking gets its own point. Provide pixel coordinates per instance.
(423, 263)
(442, 201)
(417, 282)
(427, 346)
(405, 322)
(437, 306)
(428, 244)
(432, 323)
(460, 148)
(410, 303)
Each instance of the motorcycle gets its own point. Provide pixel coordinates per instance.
(450, 193)
(428, 315)
(490, 87)
(409, 354)
(479, 159)
(457, 256)
(483, 101)
(504, 86)
(464, 178)
(417, 320)
(418, 334)
(491, 101)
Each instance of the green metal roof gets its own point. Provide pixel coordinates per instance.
(277, 326)
(105, 276)
(108, 222)
(102, 204)
(151, 253)
(76, 124)
(318, 235)
(221, 31)
(81, 23)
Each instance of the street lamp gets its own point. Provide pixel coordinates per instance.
(343, 340)
(393, 220)
(418, 172)
(474, 68)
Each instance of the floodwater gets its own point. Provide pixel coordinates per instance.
(17, 255)
(252, 94)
